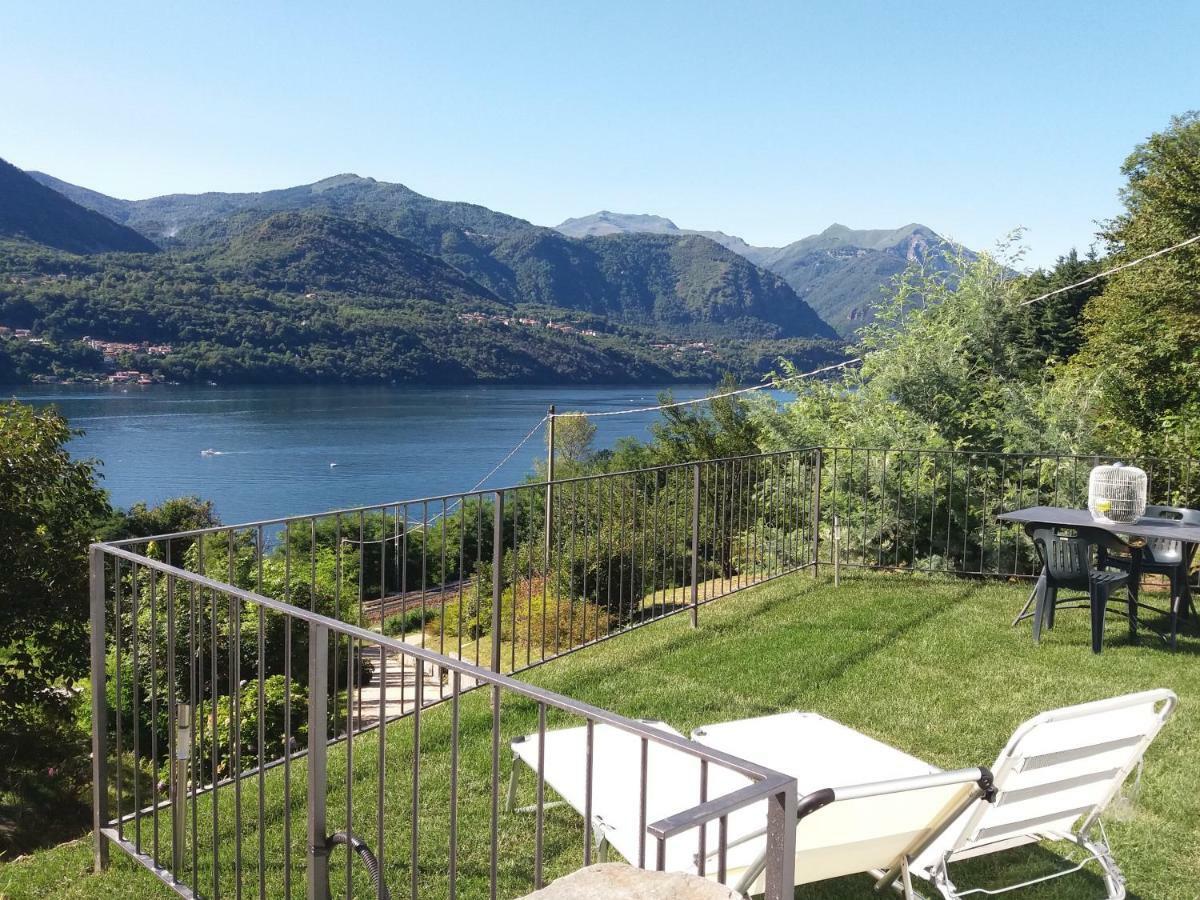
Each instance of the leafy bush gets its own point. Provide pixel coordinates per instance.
(409, 621)
(276, 698)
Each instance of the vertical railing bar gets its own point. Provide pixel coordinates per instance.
(539, 824)
(195, 662)
(353, 645)
(571, 566)
(497, 574)
(479, 582)
(588, 778)
(695, 573)
(339, 566)
(494, 849)
(606, 532)
(442, 591)
(643, 790)
(235, 723)
(404, 575)
(351, 683)
(425, 561)
(97, 648)
(414, 834)
(462, 573)
(216, 746)
(702, 850)
(381, 766)
(452, 878)
(318, 775)
(261, 716)
(621, 533)
(118, 630)
(173, 786)
(287, 755)
(516, 582)
(722, 848)
(135, 684)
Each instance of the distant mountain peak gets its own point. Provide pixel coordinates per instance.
(334, 181)
(606, 221)
(840, 271)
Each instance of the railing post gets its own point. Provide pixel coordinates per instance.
(837, 553)
(696, 545)
(549, 487)
(96, 594)
(181, 763)
(497, 571)
(318, 776)
(780, 880)
(816, 516)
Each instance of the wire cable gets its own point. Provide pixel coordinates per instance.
(758, 387)
(1114, 270)
(500, 465)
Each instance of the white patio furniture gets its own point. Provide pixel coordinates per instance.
(862, 826)
(1052, 781)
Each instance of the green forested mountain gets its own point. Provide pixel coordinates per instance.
(316, 251)
(307, 296)
(32, 211)
(839, 273)
(689, 287)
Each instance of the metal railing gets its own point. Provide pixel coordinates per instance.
(226, 780)
(273, 700)
(935, 510)
(239, 687)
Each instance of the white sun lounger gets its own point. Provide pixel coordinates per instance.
(1052, 781)
(862, 826)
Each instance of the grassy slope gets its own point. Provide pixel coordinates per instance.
(930, 666)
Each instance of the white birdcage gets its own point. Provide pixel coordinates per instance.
(1117, 493)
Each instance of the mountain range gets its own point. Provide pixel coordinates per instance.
(349, 278)
(839, 272)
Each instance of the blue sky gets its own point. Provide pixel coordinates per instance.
(767, 120)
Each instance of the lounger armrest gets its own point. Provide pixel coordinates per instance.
(981, 776)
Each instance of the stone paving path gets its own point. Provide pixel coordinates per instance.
(399, 684)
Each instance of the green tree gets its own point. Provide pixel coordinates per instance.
(48, 504)
(574, 435)
(942, 367)
(1140, 361)
(722, 427)
(1053, 327)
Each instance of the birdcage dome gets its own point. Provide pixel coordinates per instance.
(1117, 493)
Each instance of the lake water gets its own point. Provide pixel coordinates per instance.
(275, 444)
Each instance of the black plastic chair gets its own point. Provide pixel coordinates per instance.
(1162, 556)
(1067, 564)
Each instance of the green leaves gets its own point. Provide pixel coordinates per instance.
(48, 504)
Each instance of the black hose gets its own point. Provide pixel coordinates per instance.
(364, 853)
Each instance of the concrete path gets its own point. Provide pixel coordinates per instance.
(398, 684)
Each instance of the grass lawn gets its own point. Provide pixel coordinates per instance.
(928, 665)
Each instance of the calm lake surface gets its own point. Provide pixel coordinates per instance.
(275, 444)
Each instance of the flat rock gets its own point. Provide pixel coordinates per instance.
(614, 881)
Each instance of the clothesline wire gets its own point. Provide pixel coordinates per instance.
(758, 387)
(1114, 270)
(496, 468)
